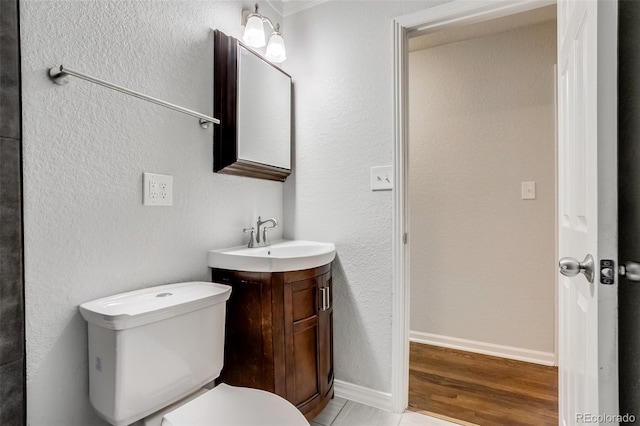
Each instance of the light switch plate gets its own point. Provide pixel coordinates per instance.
(382, 178)
(528, 190)
(157, 190)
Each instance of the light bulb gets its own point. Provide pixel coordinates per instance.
(254, 32)
(276, 51)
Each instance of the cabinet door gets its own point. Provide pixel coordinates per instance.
(302, 338)
(325, 318)
(249, 343)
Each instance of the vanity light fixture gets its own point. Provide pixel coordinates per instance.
(254, 36)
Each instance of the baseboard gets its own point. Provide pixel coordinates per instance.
(527, 355)
(356, 393)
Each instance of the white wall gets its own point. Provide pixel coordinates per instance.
(481, 122)
(340, 56)
(87, 234)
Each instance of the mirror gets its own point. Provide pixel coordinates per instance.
(252, 99)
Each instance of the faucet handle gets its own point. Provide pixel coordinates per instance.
(252, 237)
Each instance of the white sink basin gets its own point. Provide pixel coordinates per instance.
(278, 257)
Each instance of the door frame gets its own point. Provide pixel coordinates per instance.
(432, 19)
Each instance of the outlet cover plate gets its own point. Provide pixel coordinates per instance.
(157, 190)
(382, 178)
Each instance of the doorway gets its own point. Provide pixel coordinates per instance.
(587, 117)
(482, 209)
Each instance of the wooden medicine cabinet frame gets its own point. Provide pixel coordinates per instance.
(226, 102)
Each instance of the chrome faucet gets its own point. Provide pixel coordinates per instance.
(263, 237)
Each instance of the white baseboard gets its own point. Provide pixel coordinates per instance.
(356, 393)
(527, 355)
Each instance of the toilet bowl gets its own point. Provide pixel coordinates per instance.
(151, 351)
(230, 406)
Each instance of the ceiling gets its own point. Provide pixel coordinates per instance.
(289, 7)
(482, 29)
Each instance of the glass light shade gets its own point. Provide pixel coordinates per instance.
(275, 49)
(254, 32)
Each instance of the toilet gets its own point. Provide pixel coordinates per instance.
(151, 352)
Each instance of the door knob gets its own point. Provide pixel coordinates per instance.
(631, 270)
(570, 267)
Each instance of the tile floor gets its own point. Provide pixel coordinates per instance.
(340, 412)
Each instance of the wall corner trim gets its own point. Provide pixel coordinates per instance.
(362, 395)
(491, 349)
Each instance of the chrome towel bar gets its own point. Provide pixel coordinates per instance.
(60, 73)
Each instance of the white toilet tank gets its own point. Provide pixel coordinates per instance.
(151, 347)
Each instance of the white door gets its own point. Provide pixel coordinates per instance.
(587, 208)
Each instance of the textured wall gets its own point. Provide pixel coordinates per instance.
(340, 56)
(11, 277)
(87, 234)
(481, 121)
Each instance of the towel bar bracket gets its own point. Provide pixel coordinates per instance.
(58, 76)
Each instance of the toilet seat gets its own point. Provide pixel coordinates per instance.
(227, 405)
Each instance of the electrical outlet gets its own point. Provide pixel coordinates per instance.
(153, 189)
(157, 189)
(382, 178)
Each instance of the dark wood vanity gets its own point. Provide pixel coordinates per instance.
(279, 334)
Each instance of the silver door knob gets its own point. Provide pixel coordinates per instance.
(631, 270)
(570, 267)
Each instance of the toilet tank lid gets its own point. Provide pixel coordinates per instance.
(136, 308)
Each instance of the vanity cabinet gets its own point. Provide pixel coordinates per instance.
(279, 334)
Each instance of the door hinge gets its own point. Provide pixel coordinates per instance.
(404, 238)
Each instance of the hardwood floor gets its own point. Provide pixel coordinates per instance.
(481, 389)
